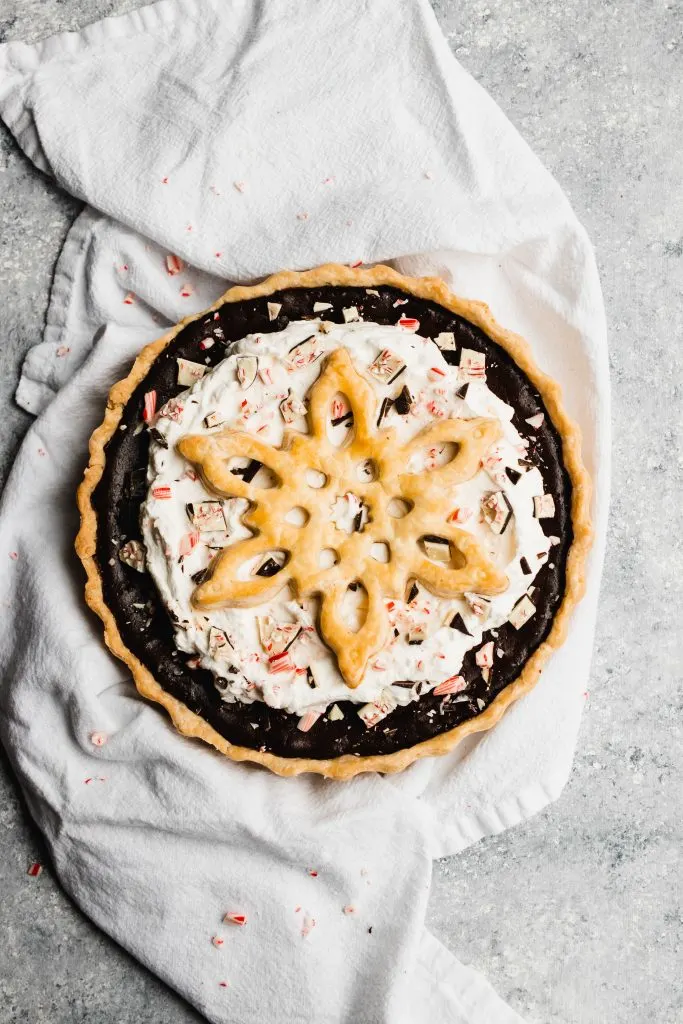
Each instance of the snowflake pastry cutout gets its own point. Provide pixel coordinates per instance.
(372, 466)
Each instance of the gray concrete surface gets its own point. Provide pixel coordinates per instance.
(576, 916)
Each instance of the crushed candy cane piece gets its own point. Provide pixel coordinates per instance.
(219, 645)
(206, 343)
(174, 265)
(292, 407)
(349, 909)
(128, 299)
(478, 605)
(522, 612)
(484, 656)
(247, 367)
(62, 351)
(460, 515)
(14, 555)
(313, 873)
(150, 406)
(494, 465)
(372, 713)
(187, 543)
(335, 713)
(307, 926)
(536, 421)
(35, 869)
(206, 516)
(302, 216)
(350, 314)
(132, 554)
(217, 941)
(189, 372)
(453, 685)
(274, 310)
(239, 186)
(497, 511)
(472, 366)
(233, 917)
(544, 506)
(161, 493)
(409, 323)
(436, 373)
(308, 720)
(387, 366)
(446, 341)
(172, 410)
(98, 739)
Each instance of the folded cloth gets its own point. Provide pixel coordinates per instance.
(243, 138)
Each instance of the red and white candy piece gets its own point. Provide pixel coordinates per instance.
(292, 408)
(436, 373)
(472, 366)
(98, 739)
(132, 554)
(536, 421)
(478, 605)
(206, 343)
(497, 511)
(129, 299)
(187, 543)
(34, 870)
(386, 366)
(371, 714)
(307, 721)
(172, 410)
(214, 419)
(453, 685)
(219, 645)
(495, 466)
(174, 265)
(206, 516)
(161, 493)
(217, 941)
(484, 656)
(234, 917)
(460, 515)
(522, 612)
(409, 323)
(150, 406)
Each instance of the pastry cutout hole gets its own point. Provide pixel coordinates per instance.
(315, 479)
(354, 607)
(380, 551)
(399, 507)
(327, 558)
(253, 472)
(367, 471)
(266, 564)
(297, 516)
(433, 457)
(440, 551)
(340, 425)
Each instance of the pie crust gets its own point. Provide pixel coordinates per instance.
(348, 765)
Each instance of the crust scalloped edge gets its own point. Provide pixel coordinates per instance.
(345, 767)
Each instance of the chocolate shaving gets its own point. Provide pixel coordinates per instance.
(403, 401)
(248, 472)
(342, 419)
(413, 592)
(158, 437)
(513, 474)
(300, 343)
(358, 522)
(462, 392)
(384, 409)
(295, 637)
(136, 483)
(397, 374)
(269, 568)
(457, 622)
(524, 566)
(199, 577)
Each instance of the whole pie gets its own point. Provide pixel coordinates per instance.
(335, 523)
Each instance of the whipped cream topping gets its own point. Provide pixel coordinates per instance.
(184, 524)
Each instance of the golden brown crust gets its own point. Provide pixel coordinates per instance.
(428, 288)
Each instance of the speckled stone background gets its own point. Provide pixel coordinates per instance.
(575, 916)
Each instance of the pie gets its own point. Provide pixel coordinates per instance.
(335, 523)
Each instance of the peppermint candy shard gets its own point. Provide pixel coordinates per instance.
(371, 714)
(219, 645)
(522, 612)
(478, 605)
(174, 265)
(335, 713)
(544, 506)
(206, 516)
(320, 307)
(409, 323)
(513, 475)
(536, 421)
(437, 548)
(484, 656)
(453, 685)
(308, 720)
(274, 310)
(416, 635)
(292, 408)
(247, 367)
(34, 870)
(472, 366)
(387, 367)
(304, 353)
(351, 315)
(189, 372)
(403, 402)
(232, 917)
(446, 341)
(132, 554)
(206, 343)
(494, 466)
(217, 941)
(214, 419)
(150, 406)
(457, 622)
(497, 511)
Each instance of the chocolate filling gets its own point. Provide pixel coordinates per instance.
(148, 631)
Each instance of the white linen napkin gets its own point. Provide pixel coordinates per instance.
(245, 138)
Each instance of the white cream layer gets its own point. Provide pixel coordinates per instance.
(168, 533)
